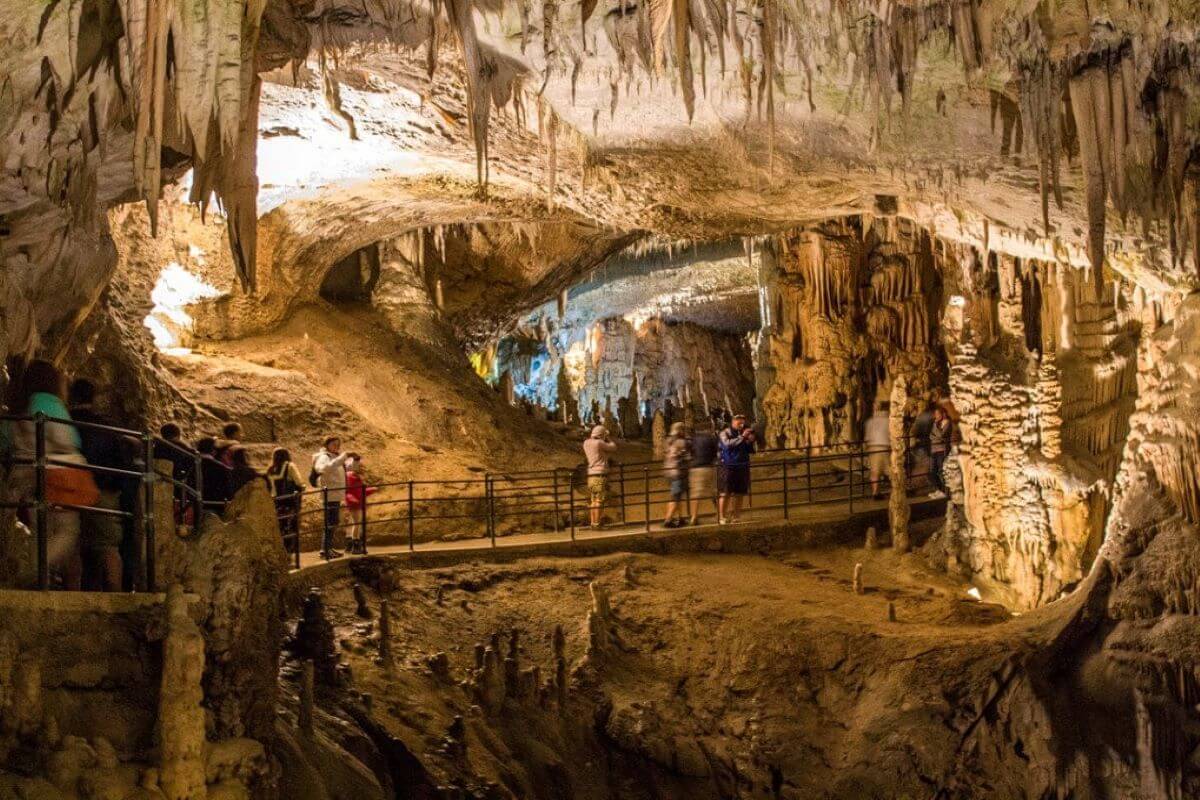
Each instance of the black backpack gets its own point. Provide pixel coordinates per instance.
(314, 477)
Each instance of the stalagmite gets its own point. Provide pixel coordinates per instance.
(181, 727)
(857, 583)
(385, 633)
(360, 600)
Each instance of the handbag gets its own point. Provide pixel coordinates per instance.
(70, 486)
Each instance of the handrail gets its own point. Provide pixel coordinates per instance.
(486, 507)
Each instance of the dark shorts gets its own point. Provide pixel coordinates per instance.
(679, 487)
(734, 479)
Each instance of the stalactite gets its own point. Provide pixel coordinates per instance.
(479, 70)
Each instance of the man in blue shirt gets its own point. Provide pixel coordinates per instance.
(736, 445)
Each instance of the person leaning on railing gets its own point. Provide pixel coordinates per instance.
(42, 390)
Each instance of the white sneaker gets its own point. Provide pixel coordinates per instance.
(722, 521)
(936, 495)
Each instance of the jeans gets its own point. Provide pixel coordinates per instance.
(936, 462)
(333, 518)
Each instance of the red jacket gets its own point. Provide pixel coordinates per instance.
(355, 490)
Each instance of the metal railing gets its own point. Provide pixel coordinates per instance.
(484, 508)
(30, 494)
(555, 500)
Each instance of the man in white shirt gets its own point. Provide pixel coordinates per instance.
(878, 442)
(329, 465)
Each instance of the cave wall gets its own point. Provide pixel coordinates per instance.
(1043, 375)
(847, 306)
(673, 364)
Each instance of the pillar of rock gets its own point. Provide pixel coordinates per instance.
(898, 511)
(181, 715)
(659, 433)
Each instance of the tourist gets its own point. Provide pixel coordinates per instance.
(170, 447)
(736, 443)
(878, 441)
(356, 504)
(42, 392)
(101, 531)
(214, 476)
(940, 437)
(241, 472)
(284, 483)
(597, 448)
(675, 470)
(702, 484)
(231, 437)
(920, 432)
(329, 469)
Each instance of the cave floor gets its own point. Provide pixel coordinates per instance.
(745, 658)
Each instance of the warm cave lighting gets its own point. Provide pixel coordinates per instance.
(175, 290)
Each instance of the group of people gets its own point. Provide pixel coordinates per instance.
(90, 463)
(698, 466)
(932, 431)
(226, 467)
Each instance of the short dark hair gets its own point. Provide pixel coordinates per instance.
(231, 430)
(239, 456)
(885, 405)
(41, 376)
(170, 432)
(206, 445)
(331, 439)
(81, 392)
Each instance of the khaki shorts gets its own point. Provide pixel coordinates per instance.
(702, 483)
(879, 464)
(598, 487)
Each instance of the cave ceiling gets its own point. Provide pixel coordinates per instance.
(1055, 131)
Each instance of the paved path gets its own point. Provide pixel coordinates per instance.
(751, 519)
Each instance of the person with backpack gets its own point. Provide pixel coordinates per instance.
(736, 443)
(214, 476)
(702, 482)
(940, 438)
(101, 533)
(42, 388)
(356, 503)
(231, 437)
(283, 480)
(329, 474)
(676, 456)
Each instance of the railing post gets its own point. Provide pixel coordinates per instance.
(556, 520)
(646, 492)
(491, 511)
(297, 505)
(850, 482)
(808, 475)
(411, 545)
(621, 479)
(326, 533)
(571, 509)
(39, 491)
(785, 489)
(362, 533)
(198, 506)
(148, 511)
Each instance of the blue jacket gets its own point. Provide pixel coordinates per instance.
(735, 451)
